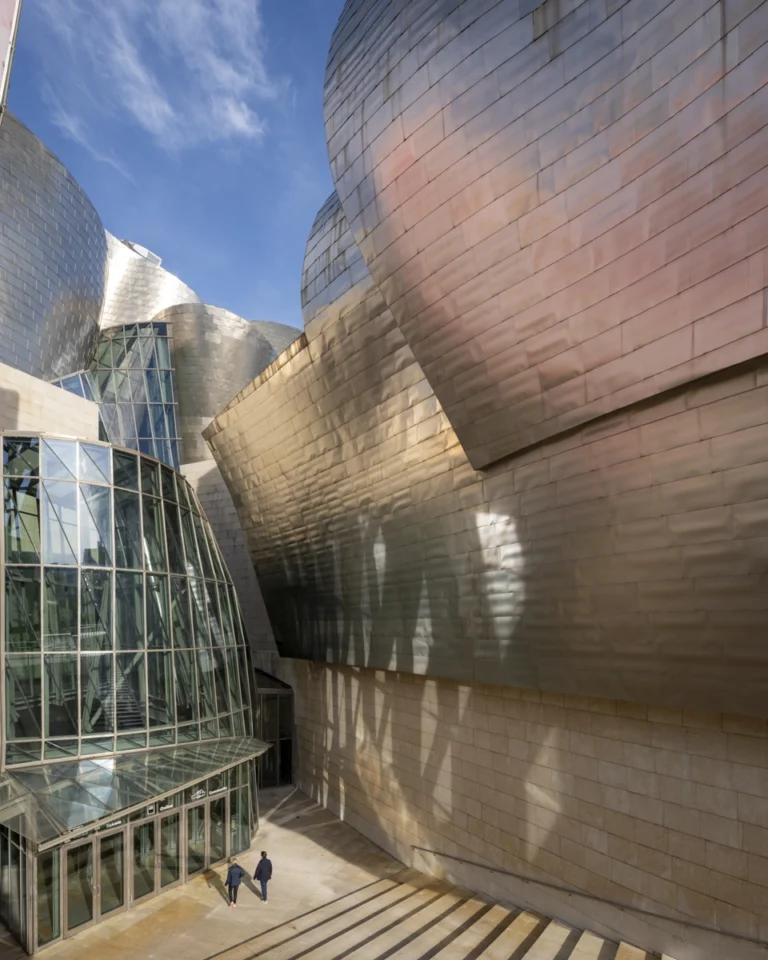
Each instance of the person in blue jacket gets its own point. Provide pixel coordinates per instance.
(263, 874)
(234, 875)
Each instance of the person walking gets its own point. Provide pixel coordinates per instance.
(234, 875)
(263, 874)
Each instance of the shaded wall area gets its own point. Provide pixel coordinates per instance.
(29, 404)
(563, 203)
(659, 809)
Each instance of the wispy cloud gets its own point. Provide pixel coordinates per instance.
(185, 71)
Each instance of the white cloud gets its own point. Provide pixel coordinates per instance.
(186, 71)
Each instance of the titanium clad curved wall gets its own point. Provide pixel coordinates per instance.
(138, 288)
(626, 560)
(53, 260)
(280, 335)
(215, 354)
(565, 205)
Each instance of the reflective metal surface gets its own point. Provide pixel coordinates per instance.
(53, 260)
(215, 353)
(625, 559)
(563, 204)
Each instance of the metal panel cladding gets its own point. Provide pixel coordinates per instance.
(215, 354)
(53, 260)
(564, 203)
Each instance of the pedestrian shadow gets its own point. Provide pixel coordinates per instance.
(248, 881)
(214, 880)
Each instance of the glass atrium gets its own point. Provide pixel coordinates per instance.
(128, 757)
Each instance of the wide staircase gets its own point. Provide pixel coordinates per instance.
(410, 916)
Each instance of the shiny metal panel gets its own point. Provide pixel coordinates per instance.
(563, 204)
(625, 559)
(53, 260)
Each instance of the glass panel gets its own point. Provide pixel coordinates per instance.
(22, 608)
(130, 691)
(130, 419)
(245, 676)
(157, 413)
(158, 623)
(269, 718)
(205, 670)
(60, 459)
(60, 522)
(60, 609)
(195, 839)
(154, 391)
(170, 850)
(168, 484)
(96, 680)
(128, 530)
(79, 880)
(95, 525)
(48, 897)
(180, 615)
(239, 838)
(22, 520)
(96, 610)
(95, 463)
(126, 469)
(212, 603)
(26, 751)
(62, 700)
(173, 538)
(122, 386)
(234, 683)
(21, 456)
(186, 687)
(163, 353)
(161, 696)
(112, 873)
(218, 808)
(166, 383)
(154, 544)
(150, 480)
(136, 384)
(143, 859)
(23, 690)
(193, 561)
(199, 618)
(220, 674)
(129, 611)
(202, 547)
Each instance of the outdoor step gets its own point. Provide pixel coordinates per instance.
(470, 940)
(337, 937)
(523, 928)
(627, 952)
(550, 942)
(389, 940)
(463, 914)
(592, 947)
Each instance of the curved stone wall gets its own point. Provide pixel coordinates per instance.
(564, 204)
(215, 354)
(53, 260)
(138, 288)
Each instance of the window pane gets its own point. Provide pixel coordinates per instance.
(95, 463)
(202, 547)
(48, 897)
(60, 609)
(127, 530)
(129, 419)
(96, 610)
(199, 618)
(154, 390)
(157, 413)
(181, 620)
(161, 698)
(60, 459)
(245, 676)
(96, 692)
(95, 525)
(22, 608)
(220, 675)
(169, 484)
(129, 611)
(154, 544)
(173, 538)
(158, 623)
(126, 469)
(130, 691)
(234, 681)
(163, 353)
(166, 385)
(193, 561)
(214, 623)
(61, 695)
(22, 520)
(60, 522)
(150, 480)
(21, 456)
(186, 686)
(205, 669)
(23, 692)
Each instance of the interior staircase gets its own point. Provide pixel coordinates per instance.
(410, 916)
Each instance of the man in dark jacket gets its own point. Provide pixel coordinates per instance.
(263, 874)
(234, 875)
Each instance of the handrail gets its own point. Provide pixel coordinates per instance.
(561, 888)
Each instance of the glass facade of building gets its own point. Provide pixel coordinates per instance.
(132, 379)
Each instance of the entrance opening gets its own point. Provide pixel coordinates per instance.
(274, 725)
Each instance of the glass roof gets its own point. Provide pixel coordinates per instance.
(50, 802)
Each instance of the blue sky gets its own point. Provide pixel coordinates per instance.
(195, 127)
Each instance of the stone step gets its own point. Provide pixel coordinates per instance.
(627, 952)
(437, 937)
(552, 942)
(592, 947)
(490, 924)
(523, 929)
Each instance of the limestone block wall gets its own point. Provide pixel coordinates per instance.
(27, 403)
(661, 809)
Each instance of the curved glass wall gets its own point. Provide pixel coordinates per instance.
(122, 629)
(132, 379)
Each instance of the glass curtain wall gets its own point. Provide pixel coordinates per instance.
(122, 628)
(13, 882)
(131, 378)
